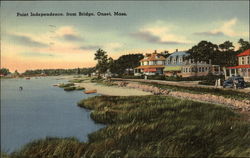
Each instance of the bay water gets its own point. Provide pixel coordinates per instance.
(41, 110)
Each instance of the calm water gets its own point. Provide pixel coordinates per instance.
(41, 110)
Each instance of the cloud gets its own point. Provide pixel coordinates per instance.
(27, 41)
(36, 54)
(147, 36)
(113, 46)
(158, 33)
(208, 33)
(226, 29)
(90, 47)
(68, 33)
(72, 38)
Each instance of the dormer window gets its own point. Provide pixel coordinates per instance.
(174, 61)
(180, 59)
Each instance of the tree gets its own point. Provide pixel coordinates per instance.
(204, 51)
(244, 45)
(125, 63)
(78, 71)
(4, 71)
(102, 61)
(227, 55)
(16, 73)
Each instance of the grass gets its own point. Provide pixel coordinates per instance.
(51, 148)
(64, 85)
(151, 126)
(197, 90)
(79, 88)
(70, 88)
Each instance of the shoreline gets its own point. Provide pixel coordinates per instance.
(112, 90)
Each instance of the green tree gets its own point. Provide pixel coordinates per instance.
(227, 54)
(126, 62)
(78, 71)
(102, 61)
(4, 71)
(244, 45)
(204, 51)
(16, 73)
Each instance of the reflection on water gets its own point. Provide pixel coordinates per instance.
(41, 110)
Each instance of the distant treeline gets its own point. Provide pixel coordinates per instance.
(52, 72)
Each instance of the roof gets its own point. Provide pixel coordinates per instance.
(179, 53)
(239, 66)
(154, 57)
(172, 68)
(149, 66)
(245, 53)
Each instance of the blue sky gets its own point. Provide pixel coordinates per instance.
(60, 42)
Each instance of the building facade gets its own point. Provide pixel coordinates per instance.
(174, 63)
(200, 68)
(243, 67)
(177, 65)
(151, 64)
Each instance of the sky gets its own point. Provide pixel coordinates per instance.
(34, 42)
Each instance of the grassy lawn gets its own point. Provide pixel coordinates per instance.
(228, 93)
(151, 126)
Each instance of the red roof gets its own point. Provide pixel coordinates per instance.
(239, 66)
(149, 70)
(245, 53)
(153, 57)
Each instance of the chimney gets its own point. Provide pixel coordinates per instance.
(176, 50)
(210, 61)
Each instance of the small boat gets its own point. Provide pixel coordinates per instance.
(90, 91)
(27, 78)
(55, 84)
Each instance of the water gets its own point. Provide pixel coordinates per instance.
(41, 110)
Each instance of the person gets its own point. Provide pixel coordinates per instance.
(20, 88)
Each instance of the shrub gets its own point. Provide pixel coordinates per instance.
(69, 88)
(79, 88)
(66, 85)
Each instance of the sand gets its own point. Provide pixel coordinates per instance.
(113, 90)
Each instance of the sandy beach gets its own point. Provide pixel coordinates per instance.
(112, 90)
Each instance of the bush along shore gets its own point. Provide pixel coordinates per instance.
(234, 99)
(151, 126)
(70, 87)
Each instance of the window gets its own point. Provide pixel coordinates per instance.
(181, 59)
(202, 69)
(199, 69)
(174, 61)
(242, 61)
(248, 58)
(169, 62)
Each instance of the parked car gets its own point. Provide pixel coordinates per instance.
(234, 82)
